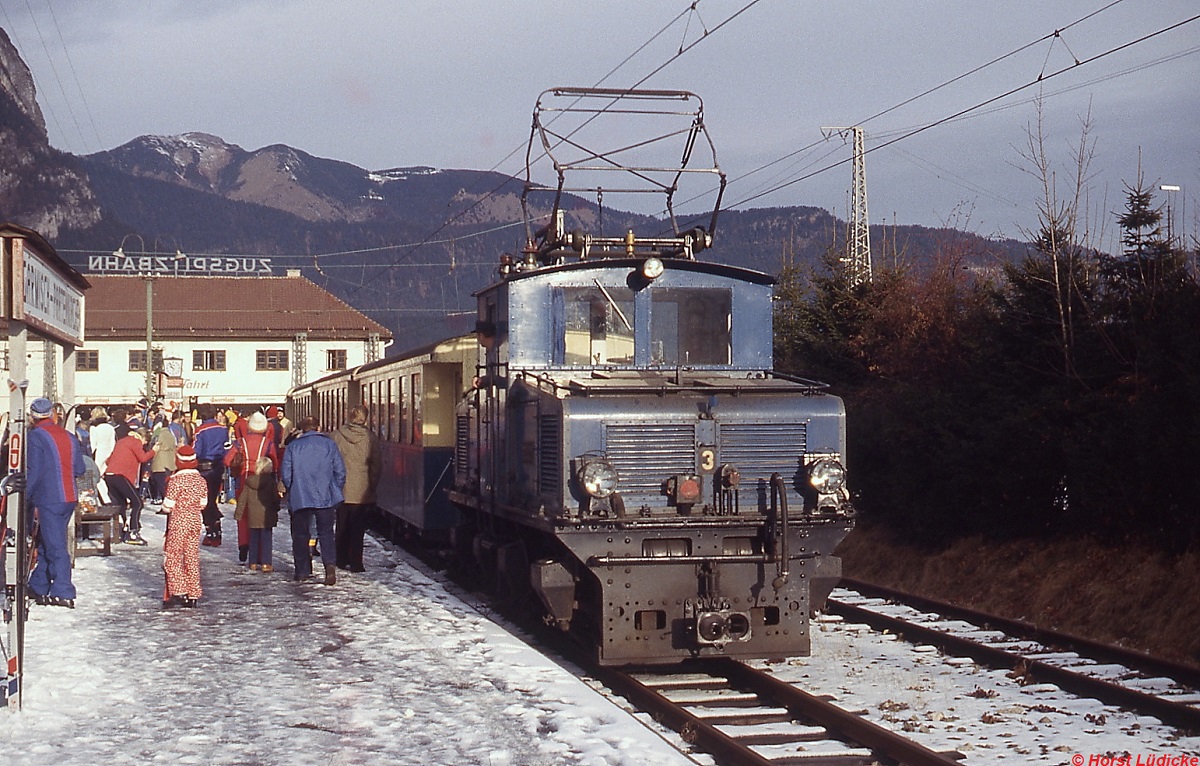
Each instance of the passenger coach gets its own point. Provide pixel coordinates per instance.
(411, 401)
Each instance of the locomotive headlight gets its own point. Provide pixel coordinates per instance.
(827, 475)
(598, 478)
(652, 269)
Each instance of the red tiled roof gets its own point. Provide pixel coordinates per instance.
(216, 307)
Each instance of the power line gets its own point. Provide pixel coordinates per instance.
(75, 76)
(683, 49)
(909, 134)
(54, 69)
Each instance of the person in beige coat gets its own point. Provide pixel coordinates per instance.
(364, 462)
(163, 462)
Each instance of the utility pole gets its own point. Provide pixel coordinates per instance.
(150, 396)
(857, 261)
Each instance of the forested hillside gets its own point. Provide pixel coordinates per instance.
(1060, 399)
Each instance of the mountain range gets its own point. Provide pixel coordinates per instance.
(407, 246)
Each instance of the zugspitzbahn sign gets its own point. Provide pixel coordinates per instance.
(177, 266)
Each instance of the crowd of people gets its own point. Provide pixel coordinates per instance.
(187, 465)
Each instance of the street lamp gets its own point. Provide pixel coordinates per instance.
(148, 275)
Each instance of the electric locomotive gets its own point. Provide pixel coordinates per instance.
(627, 453)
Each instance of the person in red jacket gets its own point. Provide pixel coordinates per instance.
(121, 476)
(53, 460)
(254, 441)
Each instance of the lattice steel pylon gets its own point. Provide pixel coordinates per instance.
(371, 348)
(299, 359)
(857, 261)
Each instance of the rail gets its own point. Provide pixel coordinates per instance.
(1169, 712)
(763, 697)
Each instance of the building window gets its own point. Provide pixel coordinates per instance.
(208, 361)
(335, 359)
(89, 360)
(271, 359)
(137, 360)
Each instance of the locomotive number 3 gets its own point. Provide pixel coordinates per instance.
(708, 460)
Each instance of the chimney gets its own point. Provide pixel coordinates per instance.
(293, 272)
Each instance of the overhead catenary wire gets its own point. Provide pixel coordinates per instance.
(970, 109)
(691, 7)
(1055, 37)
(1051, 36)
(57, 78)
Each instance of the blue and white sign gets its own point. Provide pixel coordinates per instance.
(49, 302)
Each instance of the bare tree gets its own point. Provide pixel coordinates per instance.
(1063, 234)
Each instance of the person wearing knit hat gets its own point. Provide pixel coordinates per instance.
(257, 423)
(185, 457)
(52, 462)
(186, 496)
(254, 456)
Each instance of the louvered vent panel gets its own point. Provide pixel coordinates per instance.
(646, 454)
(761, 449)
(549, 451)
(462, 441)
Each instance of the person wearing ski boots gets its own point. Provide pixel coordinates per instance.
(53, 461)
(122, 477)
(211, 442)
(184, 501)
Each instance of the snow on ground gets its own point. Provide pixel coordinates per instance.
(949, 703)
(384, 667)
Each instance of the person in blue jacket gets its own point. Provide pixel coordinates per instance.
(53, 459)
(211, 442)
(314, 474)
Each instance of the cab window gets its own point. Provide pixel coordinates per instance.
(596, 326)
(690, 326)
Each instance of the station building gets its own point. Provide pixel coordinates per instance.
(241, 341)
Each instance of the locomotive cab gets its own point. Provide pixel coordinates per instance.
(690, 493)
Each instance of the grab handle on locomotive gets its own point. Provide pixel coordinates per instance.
(779, 508)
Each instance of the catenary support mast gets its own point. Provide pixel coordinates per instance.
(857, 261)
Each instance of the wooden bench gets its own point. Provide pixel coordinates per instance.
(105, 518)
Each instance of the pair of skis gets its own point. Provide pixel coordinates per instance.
(18, 536)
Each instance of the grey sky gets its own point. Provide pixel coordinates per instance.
(453, 85)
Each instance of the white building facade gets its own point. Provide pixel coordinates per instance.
(238, 341)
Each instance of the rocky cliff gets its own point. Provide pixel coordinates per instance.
(40, 188)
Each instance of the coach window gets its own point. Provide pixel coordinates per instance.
(87, 360)
(690, 326)
(594, 325)
(417, 430)
(390, 410)
(405, 434)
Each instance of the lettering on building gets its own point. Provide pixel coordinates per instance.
(189, 264)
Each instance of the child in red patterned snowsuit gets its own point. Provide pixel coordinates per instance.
(186, 496)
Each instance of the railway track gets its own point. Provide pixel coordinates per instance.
(743, 716)
(1113, 675)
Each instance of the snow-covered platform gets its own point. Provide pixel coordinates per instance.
(386, 667)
